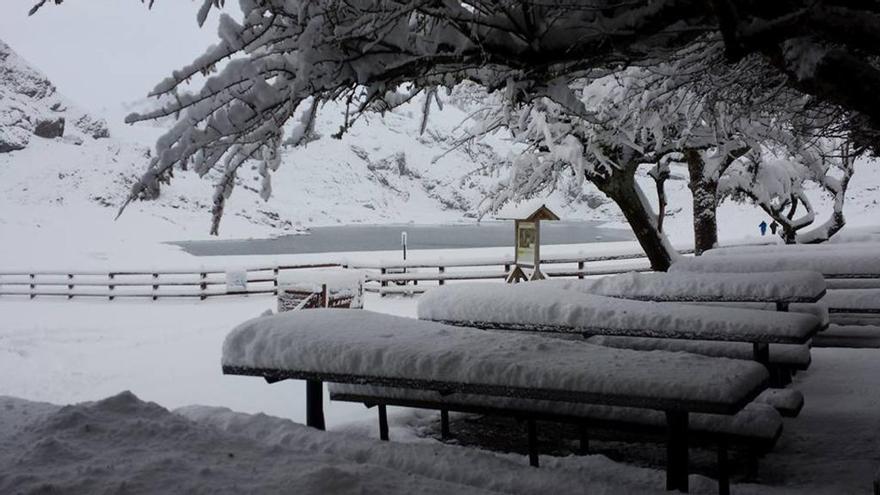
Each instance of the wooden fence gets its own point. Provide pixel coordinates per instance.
(154, 284)
(203, 283)
(405, 277)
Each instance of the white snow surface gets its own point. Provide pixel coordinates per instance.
(367, 344)
(122, 444)
(535, 307)
(658, 286)
(856, 260)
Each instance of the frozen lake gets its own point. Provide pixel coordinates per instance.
(387, 237)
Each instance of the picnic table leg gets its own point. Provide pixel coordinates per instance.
(677, 451)
(723, 469)
(584, 440)
(761, 352)
(315, 404)
(444, 424)
(533, 442)
(383, 422)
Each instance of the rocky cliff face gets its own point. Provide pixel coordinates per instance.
(30, 105)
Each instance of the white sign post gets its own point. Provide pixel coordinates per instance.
(236, 281)
(403, 243)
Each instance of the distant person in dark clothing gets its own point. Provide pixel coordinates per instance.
(763, 227)
(773, 227)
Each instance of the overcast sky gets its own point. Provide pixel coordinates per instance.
(101, 53)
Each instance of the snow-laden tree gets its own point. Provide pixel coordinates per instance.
(826, 48)
(286, 57)
(561, 148)
(778, 186)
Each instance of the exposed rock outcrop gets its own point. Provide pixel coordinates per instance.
(30, 105)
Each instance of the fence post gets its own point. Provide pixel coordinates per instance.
(442, 271)
(155, 286)
(70, 286)
(384, 283)
(33, 286)
(110, 286)
(325, 298)
(203, 285)
(580, 269)
(275, 281)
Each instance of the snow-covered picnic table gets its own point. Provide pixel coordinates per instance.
(542, 308)
(774, 287)
(866, 301)
(856, 262)
(361, 347)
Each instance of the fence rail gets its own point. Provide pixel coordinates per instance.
(153, 284)
(203, 283)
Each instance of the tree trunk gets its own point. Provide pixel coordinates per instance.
(621, 187)
(704, 191)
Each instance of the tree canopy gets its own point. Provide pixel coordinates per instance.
(809, 63)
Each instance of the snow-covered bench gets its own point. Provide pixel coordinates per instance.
(780, 288)
(854, 306)
(361, 347)
(796, 291)
(841, 265)
(754, 430)
(540, 308)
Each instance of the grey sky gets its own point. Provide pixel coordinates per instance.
(101, 53)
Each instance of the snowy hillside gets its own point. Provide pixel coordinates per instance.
(30, 106)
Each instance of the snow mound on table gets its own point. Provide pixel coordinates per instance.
(864, 259)
(796, 354)
(367, 344)
(539, 307)
(125, 445)
(855, 300)
(793, 248)
(774, 286)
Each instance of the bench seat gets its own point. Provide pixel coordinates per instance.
(758, 425)
(788, 402)
(774, 287)
(794, 356)
(535, 307)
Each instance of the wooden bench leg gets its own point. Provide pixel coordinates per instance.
(761, 352)
(383, 422)
(444, 424)
(723, 469)
(677, 451)
(533, 442)
(584, 440)
(752, 464)
(315, 404)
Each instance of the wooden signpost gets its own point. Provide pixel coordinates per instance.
(527, 239)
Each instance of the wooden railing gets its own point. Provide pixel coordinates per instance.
(392, 278)
(203, 283)
(154, 284)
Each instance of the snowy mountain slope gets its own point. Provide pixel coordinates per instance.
(30, 105)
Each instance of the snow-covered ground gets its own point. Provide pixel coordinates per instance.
(58, 201)
(66, 352)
